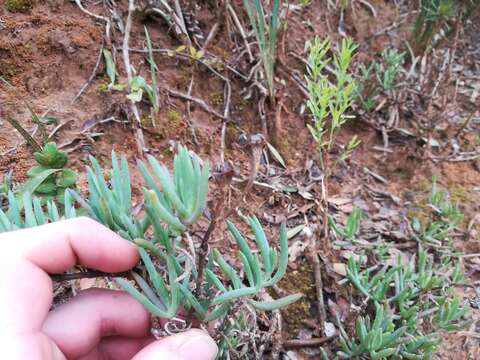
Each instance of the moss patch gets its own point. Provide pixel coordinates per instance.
(298, 280)
(103, 87)
(19, 5)
(216, 98)
(174, 118)
(231, 135)
(460, 195)
(170, 124)
(146, 120)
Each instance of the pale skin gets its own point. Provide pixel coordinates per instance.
(97, 324)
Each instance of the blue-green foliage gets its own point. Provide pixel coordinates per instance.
(27, 211)
(413, 299)
(172, 204)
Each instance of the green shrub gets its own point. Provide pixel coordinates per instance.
(266, 35)
(437, 17)
(329, 100)
(378, 78)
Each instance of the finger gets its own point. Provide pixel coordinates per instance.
(36, 346)
(117, 348)
(26, 255)
(190, 345)
(25, 298)
(58, 246)
(78, 326)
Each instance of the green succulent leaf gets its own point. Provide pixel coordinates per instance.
(276, 304)
(142, 299)
(36, 170)
(110, 65)
(52, 157)
(234, 294)
(67, 178)
(32, 184)
(47, 188)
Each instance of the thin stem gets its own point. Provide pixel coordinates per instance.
(89, 274)
(314, 342)
(202, 255)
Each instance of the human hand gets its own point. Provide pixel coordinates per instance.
(96, 324)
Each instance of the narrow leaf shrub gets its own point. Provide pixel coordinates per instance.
(329, 99)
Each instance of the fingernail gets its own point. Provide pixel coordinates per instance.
(199, 347)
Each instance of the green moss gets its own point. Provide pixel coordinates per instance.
(146, 120)
(460, 195)
(420, 208)
(299, 280)
(19, 5)
(174, 119)
(231, 135)
(170, 124)
(167, 152)
(216, 98)
(103, 87)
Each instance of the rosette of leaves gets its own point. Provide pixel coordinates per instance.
(378, 339)
(172, 204)
(49, 179)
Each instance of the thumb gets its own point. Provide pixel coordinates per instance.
(190, 345)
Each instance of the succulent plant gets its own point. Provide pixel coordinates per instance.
(172, 205)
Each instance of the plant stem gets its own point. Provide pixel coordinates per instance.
(202, 254)
(202, 262)
(322, 314)
(314, 342)
(128, 69)
(89, 274)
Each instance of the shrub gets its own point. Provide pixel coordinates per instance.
(328, 100)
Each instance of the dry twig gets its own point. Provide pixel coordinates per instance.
(141, 147)
(314, 342)
(198, 101)
(89, 274)
(92, 76)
